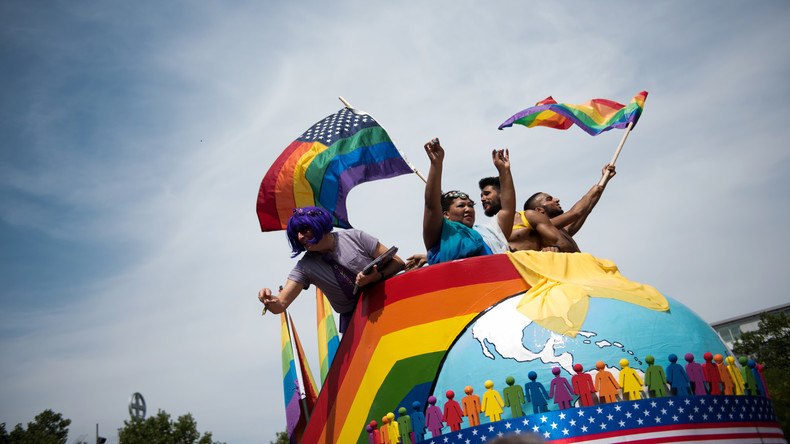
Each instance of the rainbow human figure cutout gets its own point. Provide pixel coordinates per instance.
(453, 415)
(472, 407)
(417, 422)
(384, 430)
(536, 394)
(605, 384)
(737, 377)
(404, 426)
(677, 377)
(655, 379)
(433, 417)
(369, 429)
(560, 390)
(394, 434)
(712, 375)
(514, 397)
(630, 381)
(492, 402)
(696, 375)
(750, 384)
(759, 368)
(583, 385)
(724, 374)
(757, 377)
(375, 432)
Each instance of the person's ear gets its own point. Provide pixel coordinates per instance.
(540, 210)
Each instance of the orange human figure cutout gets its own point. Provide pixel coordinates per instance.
(724, 374)
(605, 384)
(384, 430)
(471, 404)
(492, 402)
(630, 381)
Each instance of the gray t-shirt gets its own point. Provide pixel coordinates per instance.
(355, 249)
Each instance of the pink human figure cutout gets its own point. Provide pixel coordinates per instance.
(560, 391)
(583, 385)
(696, 375)
(630, 381)
(605, 384)
(492, 402)
(453, 415)
(759, 368)
(433, 417)
(712, 374)
(471, 404)
(724, 374)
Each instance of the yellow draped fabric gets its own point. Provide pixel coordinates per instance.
(562, 284)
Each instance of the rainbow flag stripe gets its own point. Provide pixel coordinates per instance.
(321, 166)
(398, 337)
(594, 117)
(310, 389)
(328, 339)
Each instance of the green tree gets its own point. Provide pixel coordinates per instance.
(769, 345)
(160, 429)
(47, 428)
(281, 438)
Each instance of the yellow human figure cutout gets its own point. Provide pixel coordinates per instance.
(492, 402)
(393, 429)
(737, 378)
(630, 381)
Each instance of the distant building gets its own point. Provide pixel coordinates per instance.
(731, 329)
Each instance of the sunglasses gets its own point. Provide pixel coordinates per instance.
(454, 194)
(302, 212)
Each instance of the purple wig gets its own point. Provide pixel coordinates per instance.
(316, 219)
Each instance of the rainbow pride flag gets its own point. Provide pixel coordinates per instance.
(322, 165)
(310, 389)
(295, 422)
(328, 339)
(394, 347)
(594, 117)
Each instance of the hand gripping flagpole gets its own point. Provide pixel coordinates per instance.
(348, 105)
(619, 148)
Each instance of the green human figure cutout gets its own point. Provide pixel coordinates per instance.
(750, 384)
(514, 397)
(655, 379)
(404, 426)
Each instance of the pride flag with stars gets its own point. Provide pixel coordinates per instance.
(328, 339)
(594, 117)
(322, 165)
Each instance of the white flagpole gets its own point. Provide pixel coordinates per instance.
(348, 105)
(619, 148)
(297, 364)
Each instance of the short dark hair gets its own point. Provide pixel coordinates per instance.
(532, 202)
(486, 181)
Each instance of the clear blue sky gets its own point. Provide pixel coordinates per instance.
(135, 136)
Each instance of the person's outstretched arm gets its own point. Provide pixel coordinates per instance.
(507, 192)
(278, 304)
(573, 219)
(432, 218)
(550, 237)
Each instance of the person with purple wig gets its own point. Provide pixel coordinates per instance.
(333, 262)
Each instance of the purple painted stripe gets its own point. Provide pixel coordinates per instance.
(292, 413)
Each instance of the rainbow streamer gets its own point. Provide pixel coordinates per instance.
(594, 117)
(328, 339)
(397, 339)
(295, 423)
(310, 390)
(321, 166)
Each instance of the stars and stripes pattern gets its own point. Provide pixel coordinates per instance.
(655, 420)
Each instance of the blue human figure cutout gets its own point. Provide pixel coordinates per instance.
(536, 394)
(696, 375)
(560, 390)
(677, 378)
(417, 421)
(757, 379)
